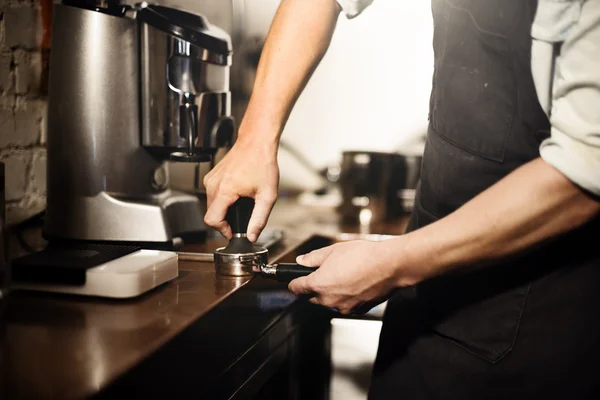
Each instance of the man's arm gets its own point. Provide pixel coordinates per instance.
(534, 203)
(543, 198)
(299, 37)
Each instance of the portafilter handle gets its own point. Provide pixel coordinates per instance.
(285, 272)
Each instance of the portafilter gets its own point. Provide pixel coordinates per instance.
(243, 258)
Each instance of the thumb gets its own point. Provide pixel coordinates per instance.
(315, 258)
(263, 204)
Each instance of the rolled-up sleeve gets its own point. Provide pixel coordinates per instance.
(352, 8)
(574, 143)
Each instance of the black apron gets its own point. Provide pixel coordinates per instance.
(527, 328)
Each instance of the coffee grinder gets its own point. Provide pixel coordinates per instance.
(129, 89)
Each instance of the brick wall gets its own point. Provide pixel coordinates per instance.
(23, 106)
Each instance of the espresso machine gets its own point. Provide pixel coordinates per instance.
(130, 88)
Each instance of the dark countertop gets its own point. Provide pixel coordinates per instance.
(198, 329)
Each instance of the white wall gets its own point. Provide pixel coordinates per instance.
(372, 88)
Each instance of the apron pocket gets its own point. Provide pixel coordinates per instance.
(479, 311)
(486, 328)
(473, 98)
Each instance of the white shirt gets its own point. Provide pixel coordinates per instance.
(567, 83)
(354, 7)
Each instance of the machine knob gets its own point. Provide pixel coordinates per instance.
(160, 178)
(223, 132)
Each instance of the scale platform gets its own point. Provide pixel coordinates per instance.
(95, 270)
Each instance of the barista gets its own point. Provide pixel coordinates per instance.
(495, 290)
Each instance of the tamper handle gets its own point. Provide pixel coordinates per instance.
(239, 213)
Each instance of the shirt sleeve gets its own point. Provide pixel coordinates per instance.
(353, 8)
(574, 143)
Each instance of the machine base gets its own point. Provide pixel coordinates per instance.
(158, 219)
(125, 277)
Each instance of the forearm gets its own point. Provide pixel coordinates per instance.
(299, 37)
(532, 204)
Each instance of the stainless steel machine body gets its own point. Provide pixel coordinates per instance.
(186, 102)
(124, 97)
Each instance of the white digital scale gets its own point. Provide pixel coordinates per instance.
(125, 277)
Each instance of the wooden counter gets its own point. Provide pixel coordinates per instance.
(201, 335)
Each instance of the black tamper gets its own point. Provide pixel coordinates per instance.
(241, 257)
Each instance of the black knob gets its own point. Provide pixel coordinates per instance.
(223, 132)
(239, 213)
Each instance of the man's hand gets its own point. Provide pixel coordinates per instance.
(353, 276)
(248, 170)
(298, 39)
(531, 205)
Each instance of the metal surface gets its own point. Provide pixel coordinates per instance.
(240, 257)
(284, 272)
(240, 264)
(269, 239)
(364, 181)
(245, 264)
(93, 133)
(102, 183)
(175, 73)
(157, 218)
(405, 177)
(199, 257)
(93, 109)
(268, 270)
(376, 186)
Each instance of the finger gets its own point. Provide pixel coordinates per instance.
(210, 193)
(301, 286)
(344, 310)
(207, 179)
(215, 215)
(315, 300)
(213, 190)
(362, 308)
(263, 204)
(315, 258)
